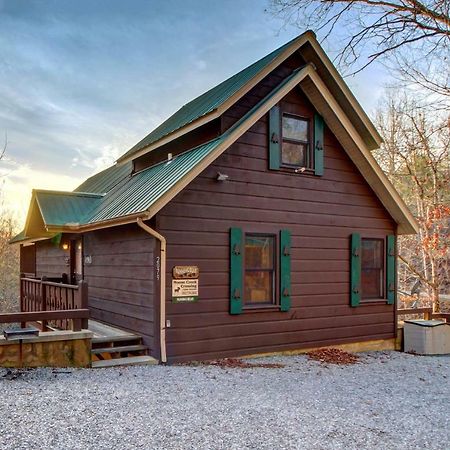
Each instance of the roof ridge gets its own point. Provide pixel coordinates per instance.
(211, 100)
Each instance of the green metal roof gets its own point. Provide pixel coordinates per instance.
(63, 208)
(144, 188)
(207, 102)
(127, 193)
(105, 180)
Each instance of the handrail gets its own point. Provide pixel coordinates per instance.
(426, 311)
(42, 295)
(75, 315)
(51, 283)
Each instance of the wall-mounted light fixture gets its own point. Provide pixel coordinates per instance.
(222, 176)
(65, 246)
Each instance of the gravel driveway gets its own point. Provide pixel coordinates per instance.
(388, 401)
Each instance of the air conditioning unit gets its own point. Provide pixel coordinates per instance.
(426, 337)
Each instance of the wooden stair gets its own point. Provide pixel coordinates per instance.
(121, 350)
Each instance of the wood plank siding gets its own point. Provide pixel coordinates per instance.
(51, 260)
(121, 278)
(321, 213)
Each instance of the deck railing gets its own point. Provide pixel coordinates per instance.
(76, 319)
(43, 295)
(427, 313)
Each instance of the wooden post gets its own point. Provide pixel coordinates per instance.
(83, 304)
(43, 294)
(22, 276)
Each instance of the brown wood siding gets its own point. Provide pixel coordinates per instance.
(28, 260)
(263, 88)
(51, 260)
(320, 212)
(120, 278)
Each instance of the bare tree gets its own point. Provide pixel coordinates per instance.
(9, 255)
(412, 35)
(416, 157)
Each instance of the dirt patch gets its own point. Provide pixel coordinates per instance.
(333, 356)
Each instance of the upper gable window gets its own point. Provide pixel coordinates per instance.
(295, 143)
(295, 147)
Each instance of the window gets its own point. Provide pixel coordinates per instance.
(295, 142)
(259, 278)
(260, 271)
(372, 268)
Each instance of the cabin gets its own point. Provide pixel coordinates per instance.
(254, 220)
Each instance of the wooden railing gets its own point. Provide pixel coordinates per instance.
(43, 295)
(77, 318)
(427, 313)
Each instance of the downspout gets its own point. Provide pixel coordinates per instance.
(162, 296)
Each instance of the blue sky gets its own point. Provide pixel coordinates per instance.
(82, 81)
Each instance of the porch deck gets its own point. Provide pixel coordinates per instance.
(103, 330)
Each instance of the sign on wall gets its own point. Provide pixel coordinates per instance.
(185, 284)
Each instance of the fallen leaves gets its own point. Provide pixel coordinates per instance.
(333, 356)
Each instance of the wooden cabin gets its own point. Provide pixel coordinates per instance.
(253, 220)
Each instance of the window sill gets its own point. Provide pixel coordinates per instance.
(260, 308)
(373, 301)
(291, 170)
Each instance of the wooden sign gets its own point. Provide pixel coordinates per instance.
(185, 272)
(184, 290)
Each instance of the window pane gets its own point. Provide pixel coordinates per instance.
(258, 287)
(294, 128)
(372, 267)
(293, 154)
(259, 252)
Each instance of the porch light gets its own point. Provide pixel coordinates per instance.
(65, 246)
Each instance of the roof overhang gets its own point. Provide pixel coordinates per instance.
(312, 52)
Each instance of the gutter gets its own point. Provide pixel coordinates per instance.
(162, 283)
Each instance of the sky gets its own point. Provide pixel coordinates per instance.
(82, 81)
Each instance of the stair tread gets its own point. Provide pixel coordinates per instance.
(130, 361)
(124, 348)
(105, 339)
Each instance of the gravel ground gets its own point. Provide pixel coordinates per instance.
(388, 401)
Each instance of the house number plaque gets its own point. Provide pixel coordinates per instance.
(185, 284)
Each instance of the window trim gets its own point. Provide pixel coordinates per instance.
(309, 156)
(383, 298)
(275, 304)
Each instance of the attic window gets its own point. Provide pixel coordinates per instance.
(295, 142)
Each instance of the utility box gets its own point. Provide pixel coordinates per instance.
(426, 337)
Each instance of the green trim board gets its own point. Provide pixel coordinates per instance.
(318, 144)
(236, 270)
(285, 270)
(274, 138)
(355, 270)
(390, 270)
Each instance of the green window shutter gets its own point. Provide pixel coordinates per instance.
(285, 270)
(274, 138)
(390, 269)
(318, 144)
(236, 251)
(355, 270)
